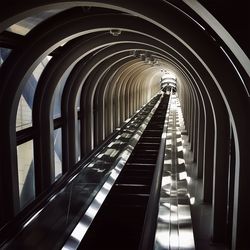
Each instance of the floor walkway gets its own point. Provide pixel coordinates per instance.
(174, 229)
(184, 220)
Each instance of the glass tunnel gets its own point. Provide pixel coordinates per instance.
(124, 125)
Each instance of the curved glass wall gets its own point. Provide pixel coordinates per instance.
(25, 154)
(24, 112)
(4, 52)
(58, 153)
(26, 176)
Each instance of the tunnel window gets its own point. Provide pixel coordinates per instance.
(4, 53)
(58, 152)
(78, 129)
(26, 177)
(25, 154)
(57, 96)
(24, 112)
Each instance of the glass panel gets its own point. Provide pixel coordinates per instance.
(24, 112)
(58, 152)
(26, 177)
(58, 94)
(25, 25)
(4, 52)
(24, 115)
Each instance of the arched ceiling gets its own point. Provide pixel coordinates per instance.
(112, 49)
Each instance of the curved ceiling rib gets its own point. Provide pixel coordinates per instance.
(64, 30)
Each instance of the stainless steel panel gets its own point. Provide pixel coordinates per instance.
(174, 228)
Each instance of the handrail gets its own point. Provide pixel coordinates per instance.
(150, 221)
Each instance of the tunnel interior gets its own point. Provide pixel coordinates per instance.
(73, 72)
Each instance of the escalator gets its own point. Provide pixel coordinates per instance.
(119, 222)
(52, 221)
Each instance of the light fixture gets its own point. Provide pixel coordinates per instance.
(115, 32)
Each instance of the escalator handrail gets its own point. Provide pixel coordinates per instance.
(150, 221)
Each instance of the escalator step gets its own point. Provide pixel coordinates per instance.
(135, 179)
(131, 189)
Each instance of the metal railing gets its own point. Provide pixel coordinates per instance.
(150, 222)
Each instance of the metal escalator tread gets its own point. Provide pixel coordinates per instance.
(119, 222)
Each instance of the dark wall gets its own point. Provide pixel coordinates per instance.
(234, 16)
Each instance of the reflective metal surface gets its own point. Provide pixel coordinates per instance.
(174, 228)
